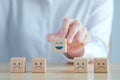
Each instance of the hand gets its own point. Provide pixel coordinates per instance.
(76, 34)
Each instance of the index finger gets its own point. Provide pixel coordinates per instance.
(65, 27)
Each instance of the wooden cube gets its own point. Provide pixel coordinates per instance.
(17, 64)
(59, 46)
(38, 65)
(101, 65)
(80, 65)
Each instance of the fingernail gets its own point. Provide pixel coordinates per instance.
(70, 40)
(80, 40)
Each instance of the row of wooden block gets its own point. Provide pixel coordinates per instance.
(18, 64)
(80, 64)
(101, 65)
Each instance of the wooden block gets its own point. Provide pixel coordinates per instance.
(17, 64)
(80, 65)
(101, 65)
(59, 46)
(38, 65)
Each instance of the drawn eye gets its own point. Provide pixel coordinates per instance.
(35, 63)
(82, 63)
(19, 63)
(77, 63)
(103, 63)
(61, 42)
(56, 43)
(14, 63)
(40, 63)
(98, 63)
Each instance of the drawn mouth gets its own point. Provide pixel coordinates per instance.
(100, 67)
(59, 47)
(38, 67)
(17, 67)
(80, 67)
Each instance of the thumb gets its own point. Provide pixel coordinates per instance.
(52, 37)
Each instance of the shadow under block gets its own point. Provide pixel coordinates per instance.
(17, 64)
(101, 65)
(80, 65)
(59, 46)
(38, 65)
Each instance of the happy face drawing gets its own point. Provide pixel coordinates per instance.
(59, 46)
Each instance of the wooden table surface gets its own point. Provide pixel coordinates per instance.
(60, 71)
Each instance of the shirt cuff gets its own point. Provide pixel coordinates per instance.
(87, 55)
(67, 58)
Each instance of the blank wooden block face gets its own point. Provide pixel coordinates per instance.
(59, 46)
(80, 65)
(100, 65)
(17, 64)
(39, 65)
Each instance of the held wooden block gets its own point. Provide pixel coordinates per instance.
(59, 46)
(39, 65)
(80, 65)
(101, 65)
(17, 64)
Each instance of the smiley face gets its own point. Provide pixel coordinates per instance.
(59, 46)
(17, 65)
(38, 65)
(80, 65)
(100, 65)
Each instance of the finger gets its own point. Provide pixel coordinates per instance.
(72, 33)
(76, 37)
(76, 48)
(65, 27)
(74, 30)
(87, 39)
(82, 36)
(52, 37)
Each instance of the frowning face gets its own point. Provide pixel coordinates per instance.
(100, 65)
(80, 65)
(17, 64)
(38, 65)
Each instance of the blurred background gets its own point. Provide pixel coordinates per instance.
(115, 39)
(115, 36)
